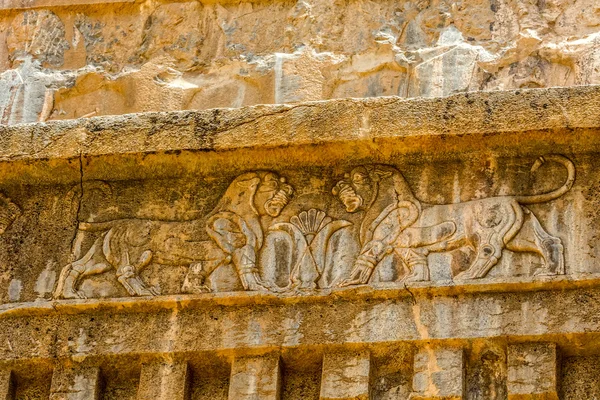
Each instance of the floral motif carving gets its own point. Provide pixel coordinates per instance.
(310, 232)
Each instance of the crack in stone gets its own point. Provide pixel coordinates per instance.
(272, 113)
(414, 299)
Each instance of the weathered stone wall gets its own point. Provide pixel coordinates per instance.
(63, 59)
(437, 244)
(350, 249)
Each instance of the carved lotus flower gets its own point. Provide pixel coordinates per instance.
(310, 222)
(310, 232)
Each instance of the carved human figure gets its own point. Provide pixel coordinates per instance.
(235, 224)
(389, 207)
(396, 222)
(235, 229)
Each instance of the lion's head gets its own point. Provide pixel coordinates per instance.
(258, 193)
(361, 187)
(372, 189)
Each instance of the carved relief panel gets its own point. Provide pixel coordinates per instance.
(299, 231)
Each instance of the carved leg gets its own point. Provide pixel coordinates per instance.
(488, 255)
(244, 259)
(251, 280)
(71, 275)
(132, 283)
(554, 257)
(128, 276)
(67, 283)
(195, 280)
(534, 238)
(73, 272)
(144, 261)
(417, 265)
(370, 256)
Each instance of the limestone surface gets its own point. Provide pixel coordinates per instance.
(64, 59)
(345, 249)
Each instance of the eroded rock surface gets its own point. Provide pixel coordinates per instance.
(104, 58)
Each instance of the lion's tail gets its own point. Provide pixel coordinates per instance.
(554, 194)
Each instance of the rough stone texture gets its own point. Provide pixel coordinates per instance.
(346, 375)
(580, 378)
(255, 378)
(486, 372)
(7, 389)
(439, 373)
(164, 380)
(75, 383)
(532, 371)
(62, 59)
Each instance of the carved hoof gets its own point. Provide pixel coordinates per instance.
(351, 282)
(278, 289)
(147, 291)
(197, 289)
(155, 291)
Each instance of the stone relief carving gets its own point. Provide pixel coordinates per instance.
(395, 222)
(310, 232)
(234, 227)
(296, 251)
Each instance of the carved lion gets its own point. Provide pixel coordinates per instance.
(234, 228)
(396, 222)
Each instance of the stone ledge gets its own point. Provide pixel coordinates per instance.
(152, 145)
(311, 123)
(362, 292)
(25, 4)
(567, 317)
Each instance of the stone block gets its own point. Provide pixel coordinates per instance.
(438, 373)
(75, 383)
(532, 371)
(164, 380)
(346, 375)
(255, 378)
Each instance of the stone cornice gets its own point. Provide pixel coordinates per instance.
(477, 113)
(534, 121)
(568, 317)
